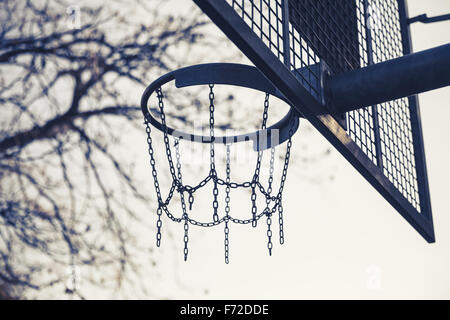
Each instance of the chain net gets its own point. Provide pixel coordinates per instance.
(273, 199)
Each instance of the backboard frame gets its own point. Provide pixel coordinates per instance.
(237, 30)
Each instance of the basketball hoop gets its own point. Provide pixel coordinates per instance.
(263, 139)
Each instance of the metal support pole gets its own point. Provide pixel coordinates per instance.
(425, 19)
(390, 80)
(286, 43)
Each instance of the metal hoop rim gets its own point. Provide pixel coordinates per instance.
(224, 74)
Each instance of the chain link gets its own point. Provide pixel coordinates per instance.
(191, 200)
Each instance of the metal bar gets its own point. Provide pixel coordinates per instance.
(390, 80)
(419, 151)
(425, 19)
(237, 30)
(286, 36)
(376, 126)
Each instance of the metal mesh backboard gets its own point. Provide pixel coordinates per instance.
(288, 39)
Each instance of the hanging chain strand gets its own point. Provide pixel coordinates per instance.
(268, 200)
(186, 239)
(255, 179)
(183, 202)
(212, 152)
(283, 180)
(166, 136)
(227, 207)
(156, 182)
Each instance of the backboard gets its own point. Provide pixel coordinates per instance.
(292, 41)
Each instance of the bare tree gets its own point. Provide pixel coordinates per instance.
(64, 97)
